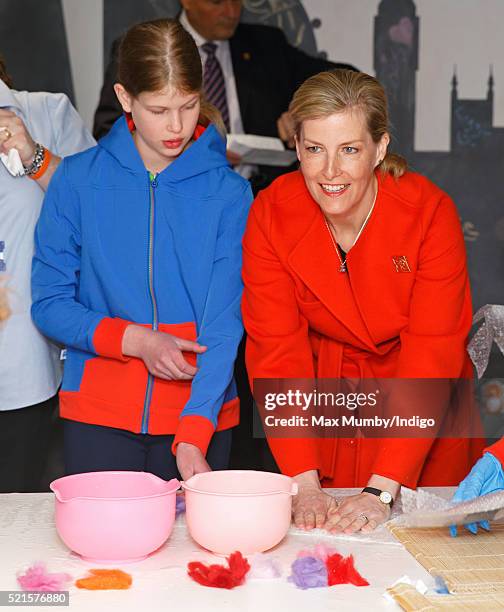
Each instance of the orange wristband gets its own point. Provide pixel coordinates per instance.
(43, 168)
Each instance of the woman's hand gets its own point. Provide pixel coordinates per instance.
(311, 508)
(362, 512)
(161, 352)
(311, 505)
(190, 460)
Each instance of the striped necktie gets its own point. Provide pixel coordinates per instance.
(214, 84)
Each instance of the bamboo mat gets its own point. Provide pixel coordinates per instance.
(411, 600)
(468, 563)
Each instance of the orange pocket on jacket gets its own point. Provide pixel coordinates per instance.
(121, 383)
(170, 396)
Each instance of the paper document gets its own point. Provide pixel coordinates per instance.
(260, 150)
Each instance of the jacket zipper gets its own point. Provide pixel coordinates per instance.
(150, 378)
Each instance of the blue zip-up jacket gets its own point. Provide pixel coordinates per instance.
(113, 247)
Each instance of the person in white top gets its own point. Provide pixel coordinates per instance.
(42, 127)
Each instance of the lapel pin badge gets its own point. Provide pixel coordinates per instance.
(246, 56)
(401, 263)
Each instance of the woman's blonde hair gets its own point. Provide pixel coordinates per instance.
(160, 53)
(338, 90)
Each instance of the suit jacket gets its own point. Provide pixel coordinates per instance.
(267, 72)
(383, 319)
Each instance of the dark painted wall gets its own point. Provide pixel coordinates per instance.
(33, 42)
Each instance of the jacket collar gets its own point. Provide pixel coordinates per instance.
(206, 153)
(315, 260)
(119, 143)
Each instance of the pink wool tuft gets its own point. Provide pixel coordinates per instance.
(263, 567)
(37, 578)
(320, 551)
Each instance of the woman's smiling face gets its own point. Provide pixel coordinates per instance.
(338, 156)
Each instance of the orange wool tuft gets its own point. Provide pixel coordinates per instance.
(103, 579)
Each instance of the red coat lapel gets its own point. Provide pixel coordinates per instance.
(315, 260)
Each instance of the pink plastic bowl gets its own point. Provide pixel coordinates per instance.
(238, 510)
(111, 517)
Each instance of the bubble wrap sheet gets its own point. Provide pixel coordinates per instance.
(424, 509)
(492, 329)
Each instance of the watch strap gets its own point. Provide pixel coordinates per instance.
(376, 492)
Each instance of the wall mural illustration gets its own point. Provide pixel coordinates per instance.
(470, 171)
(288, 15)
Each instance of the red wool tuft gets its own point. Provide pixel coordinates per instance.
(341, 570)
(219, 576)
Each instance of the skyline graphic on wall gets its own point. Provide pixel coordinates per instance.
(396, 61)
(471, 171)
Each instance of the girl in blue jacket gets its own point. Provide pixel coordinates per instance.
(137, 271)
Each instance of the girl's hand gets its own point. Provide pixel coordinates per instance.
(161, 352)
(190, 460)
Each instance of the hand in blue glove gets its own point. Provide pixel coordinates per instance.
(486, 476)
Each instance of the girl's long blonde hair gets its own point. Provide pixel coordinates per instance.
(160, 53)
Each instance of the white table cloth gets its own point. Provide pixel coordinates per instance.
(160, 583)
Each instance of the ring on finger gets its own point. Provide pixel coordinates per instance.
(6, 131)
(334, 505)
(363, 516)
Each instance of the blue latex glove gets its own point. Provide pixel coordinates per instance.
(486, 476)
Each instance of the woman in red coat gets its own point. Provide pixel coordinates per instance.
(356, 268)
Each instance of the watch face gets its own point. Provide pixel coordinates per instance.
(385, 497)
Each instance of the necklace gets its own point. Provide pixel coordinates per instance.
(343, 267)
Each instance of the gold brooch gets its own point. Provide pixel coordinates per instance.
(401, 263)
(246, 56)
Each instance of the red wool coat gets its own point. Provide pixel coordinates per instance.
(383, 318)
